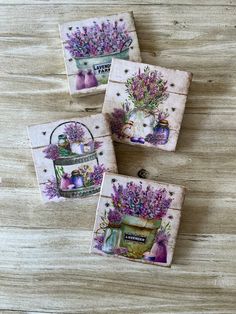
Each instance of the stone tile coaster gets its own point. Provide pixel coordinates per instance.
(146, 103)
(137, 219)
(70, 156)
(89, 46)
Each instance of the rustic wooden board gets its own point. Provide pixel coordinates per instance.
(45, 266)
(122, 44)
(56, 163)
(146, 103)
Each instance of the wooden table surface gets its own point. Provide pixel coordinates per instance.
(45, 266)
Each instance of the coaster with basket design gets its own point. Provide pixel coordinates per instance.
(70, 156)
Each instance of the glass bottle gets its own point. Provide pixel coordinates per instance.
(63, 141)
(162, 131)
(112, 239)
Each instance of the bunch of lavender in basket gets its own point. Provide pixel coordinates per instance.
(97, 40)
(146, 89)
(134, 200)
(74, 132)
(97, 174)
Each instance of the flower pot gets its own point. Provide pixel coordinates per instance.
(138, 234)
(100, 65)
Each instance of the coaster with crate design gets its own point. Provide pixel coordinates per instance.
(89, 46)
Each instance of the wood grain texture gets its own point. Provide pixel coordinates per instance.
(45, 266)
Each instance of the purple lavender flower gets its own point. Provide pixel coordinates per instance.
(117, 121)
(51, 152)
(96, 40)
(50, 189)
(154, 138)
(97, 174)
(114, 217)
(74, 132)
(97, 144)
(133, 200)
(99, 241)
(162, 236)
(147, 89)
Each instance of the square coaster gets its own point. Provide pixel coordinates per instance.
(137, 219)
(70, 156)
(146, 103)
(89, 46)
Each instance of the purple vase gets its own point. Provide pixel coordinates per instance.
(161, 254)
(80, 80)
(90, 80)
(162, 131)
(76, 179)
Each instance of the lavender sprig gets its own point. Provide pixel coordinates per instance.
(50, 189)
(97, 174)
(51, 152)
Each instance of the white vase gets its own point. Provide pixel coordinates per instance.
(143, 123)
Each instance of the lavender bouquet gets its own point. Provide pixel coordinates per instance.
(134, 200)
(97, 174)
(146, 89)
(97, 40)
(74, 132)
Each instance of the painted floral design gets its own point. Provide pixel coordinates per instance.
(146, 89)
(114, 217)
(98, 39)
(132, 223)
(51, 152)
(140, 119)
(97, 174)
(74, 132)
(92, 48)
(51, 189)
(134, 200)
(77, 172)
